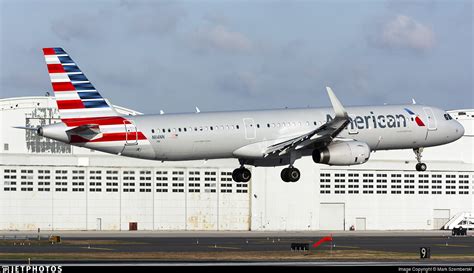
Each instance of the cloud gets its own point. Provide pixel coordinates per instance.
(221, 38)
(238, 83)
(156, 18)
(404, 32)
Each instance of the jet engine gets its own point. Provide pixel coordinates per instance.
(342, 153)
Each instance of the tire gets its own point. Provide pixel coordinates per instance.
(421, 167)
(236, 175)
(245, 175)
(284, 175)
(294, 174)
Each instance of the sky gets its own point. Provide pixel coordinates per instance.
(237, 55)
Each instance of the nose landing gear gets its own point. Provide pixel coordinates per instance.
(421, 167)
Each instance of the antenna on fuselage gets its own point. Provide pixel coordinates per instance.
(197, 110)
(413, 101)
(162, 112)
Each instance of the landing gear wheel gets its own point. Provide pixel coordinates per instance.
(236, 175)
(290, 174)
(421, 167)
(294, 174)
(245, 175)
(241, 175)
(284, 175)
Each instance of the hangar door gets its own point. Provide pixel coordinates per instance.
(331, 216)
(440, 217)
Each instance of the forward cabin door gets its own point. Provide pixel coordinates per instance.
(250, 128)
(430, 117)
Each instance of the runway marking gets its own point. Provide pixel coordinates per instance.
(453, 245)
(225, 247)
(97, 248)
(350, 247)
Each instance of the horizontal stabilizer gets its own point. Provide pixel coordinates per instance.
(25, 128)
(88, 131)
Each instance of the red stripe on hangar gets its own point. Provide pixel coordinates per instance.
(107, 137)
(63, 86)
(71, 122)
(69, 104)
(56, 68)
(49, 51)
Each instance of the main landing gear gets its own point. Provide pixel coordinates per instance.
(241, 174)
(290, 174)
(421, 167)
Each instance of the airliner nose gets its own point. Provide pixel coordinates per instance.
(459, 130)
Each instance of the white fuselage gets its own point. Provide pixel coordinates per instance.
(246, 134)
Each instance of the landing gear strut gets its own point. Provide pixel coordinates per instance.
(421, 167)
(241, 174)
(290, 174)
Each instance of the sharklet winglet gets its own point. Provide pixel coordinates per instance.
(336, 104)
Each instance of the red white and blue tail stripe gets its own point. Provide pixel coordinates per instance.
(75, 95)
(80, 104)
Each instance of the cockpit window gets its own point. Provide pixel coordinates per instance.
(448, 116)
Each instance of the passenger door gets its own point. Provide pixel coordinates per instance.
(131, 136)
(250, 128)
(431, 119)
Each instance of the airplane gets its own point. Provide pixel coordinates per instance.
(334, 136)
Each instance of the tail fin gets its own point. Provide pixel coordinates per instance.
(76, 97)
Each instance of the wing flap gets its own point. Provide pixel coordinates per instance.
(323, 134)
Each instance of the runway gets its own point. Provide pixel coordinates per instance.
(145, 247)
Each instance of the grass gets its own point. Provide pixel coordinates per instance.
(232, 256)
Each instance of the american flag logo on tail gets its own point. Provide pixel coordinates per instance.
(80, 104)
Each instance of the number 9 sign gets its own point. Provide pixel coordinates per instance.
(425, 253)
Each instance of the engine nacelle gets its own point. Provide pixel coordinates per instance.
(343, 153)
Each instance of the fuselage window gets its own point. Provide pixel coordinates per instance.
(184, 129)
(258, 125)
(169, 130)
(212, 129)
(268, 125)
(164, 130)
(315, 123)
(179, 129)
(237, 126)
(195, 128)
(152, 131)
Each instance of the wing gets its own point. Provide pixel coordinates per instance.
(322, 135)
